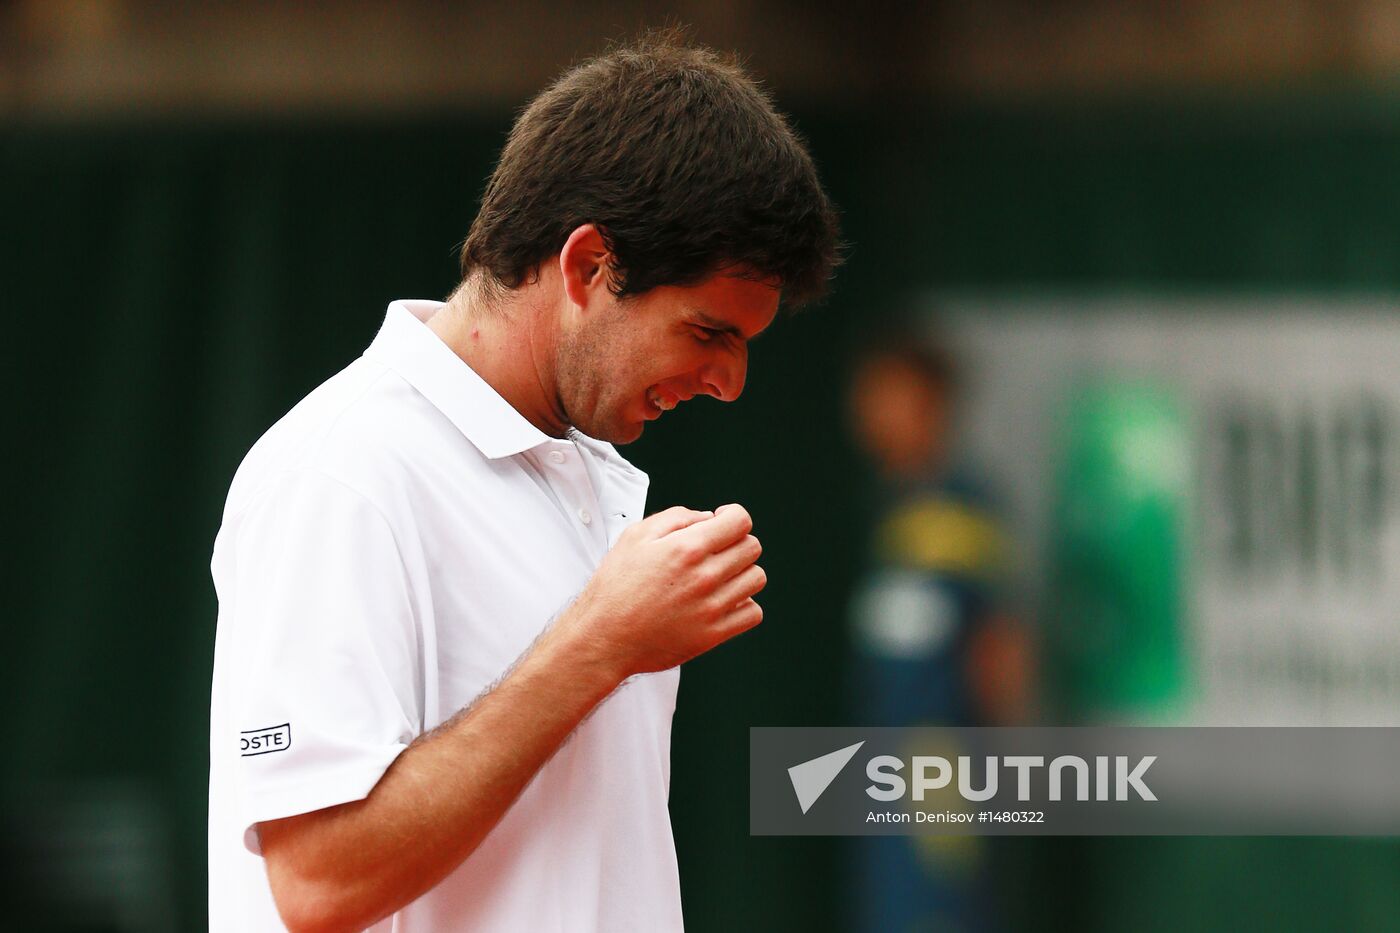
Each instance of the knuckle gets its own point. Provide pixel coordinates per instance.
(667, 516)
(690, 554)
(750, 615)
(712, 610)
(707, 578)
(760, 578)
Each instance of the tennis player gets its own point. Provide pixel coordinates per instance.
(448, 641)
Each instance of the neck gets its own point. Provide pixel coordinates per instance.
(510, 344)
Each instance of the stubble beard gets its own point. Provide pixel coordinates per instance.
(583, 374)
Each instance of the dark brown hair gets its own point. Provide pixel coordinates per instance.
(680, 160)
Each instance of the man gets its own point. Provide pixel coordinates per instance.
(447, 650)
(934, 645)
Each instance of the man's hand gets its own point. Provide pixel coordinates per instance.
(672, 587)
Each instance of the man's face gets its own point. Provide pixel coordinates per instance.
(626, 362)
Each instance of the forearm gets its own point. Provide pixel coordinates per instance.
(347, 866)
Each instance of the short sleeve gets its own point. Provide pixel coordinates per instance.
(323, 679)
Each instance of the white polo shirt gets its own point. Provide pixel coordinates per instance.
(388, 549)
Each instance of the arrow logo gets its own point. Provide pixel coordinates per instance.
(811, 778)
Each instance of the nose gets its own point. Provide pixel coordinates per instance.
(724, 376)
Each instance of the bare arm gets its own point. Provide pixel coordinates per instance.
(673, 587)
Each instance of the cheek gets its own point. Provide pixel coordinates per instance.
(673, 360)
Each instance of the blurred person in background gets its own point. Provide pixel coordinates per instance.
(934, 642)
(448, 642)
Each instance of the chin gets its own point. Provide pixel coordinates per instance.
(616, 433)
(625, 435)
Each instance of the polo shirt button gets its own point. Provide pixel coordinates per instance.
(556, 456)
(584, 517)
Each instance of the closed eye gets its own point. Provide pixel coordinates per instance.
(712, 326)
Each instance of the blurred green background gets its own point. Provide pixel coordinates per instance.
(175, 283)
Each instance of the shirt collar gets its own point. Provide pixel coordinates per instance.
(605, 451)
(407, 346)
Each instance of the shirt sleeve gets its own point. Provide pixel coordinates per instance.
(324, 686)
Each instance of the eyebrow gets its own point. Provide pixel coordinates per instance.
(723, 326)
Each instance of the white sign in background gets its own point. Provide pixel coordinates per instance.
(1292, 531)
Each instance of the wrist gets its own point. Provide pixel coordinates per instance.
(575, 636)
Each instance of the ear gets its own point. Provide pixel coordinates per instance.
(583, 265)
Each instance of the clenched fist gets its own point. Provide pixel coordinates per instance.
(672, 587)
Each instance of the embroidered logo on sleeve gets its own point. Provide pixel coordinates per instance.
(265, 741)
